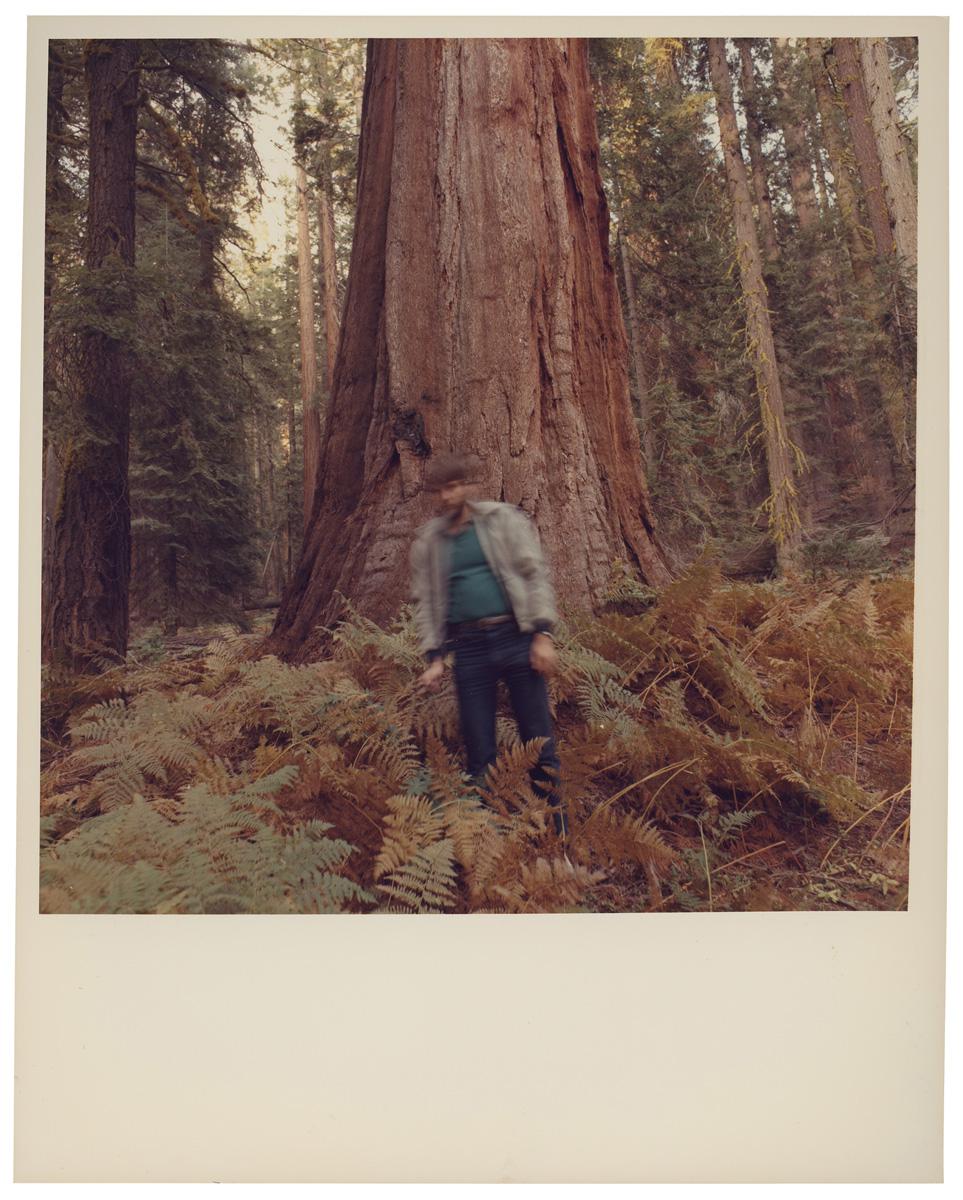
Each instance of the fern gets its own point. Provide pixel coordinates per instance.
(426, 882)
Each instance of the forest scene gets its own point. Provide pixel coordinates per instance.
(663, 289)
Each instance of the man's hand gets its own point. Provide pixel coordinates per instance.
(542, 655)
(430, 679)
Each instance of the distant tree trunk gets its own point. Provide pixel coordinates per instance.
(757, 163)
(329, 282)
(797, 150)
(866, 152)
(90, 599)
(856, 103)
(481, 313)
(294, 532)
(638, 360)
(310, 416)
(893, 156)
(51, 464)
(847, 201)
(865, 446)
(783, 514)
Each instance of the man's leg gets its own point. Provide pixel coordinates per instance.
(476, 681)
(529, 696)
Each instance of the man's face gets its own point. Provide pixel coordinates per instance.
(451, 495)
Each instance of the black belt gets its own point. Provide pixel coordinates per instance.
(481, 623)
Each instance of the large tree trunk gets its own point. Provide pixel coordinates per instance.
(757, 163)
(893, 156)
(89, 603)
(482, 314)
(782, 507)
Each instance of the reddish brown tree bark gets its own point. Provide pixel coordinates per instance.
(481, 313)
(89, 599)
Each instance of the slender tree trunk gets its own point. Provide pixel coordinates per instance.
(51, 463)
(864, 446)
(894, 159)
(90, 600)
(757, 163)
(866, 152)
(845, 51)
(847, 200)
(797, 150)
(638, 361)
(310, 416)
(481, 313)
(329, 282)
(782, 508)
(293, 525)
(843, 406)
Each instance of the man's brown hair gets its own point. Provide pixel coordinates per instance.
(449, 467)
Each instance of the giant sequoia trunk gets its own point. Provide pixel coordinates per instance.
(91, 528)
(481, 314)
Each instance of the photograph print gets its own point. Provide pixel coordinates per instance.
(478, 475)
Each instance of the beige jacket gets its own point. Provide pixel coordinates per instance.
(509, 539)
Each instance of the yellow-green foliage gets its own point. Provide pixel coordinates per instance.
(232, 782)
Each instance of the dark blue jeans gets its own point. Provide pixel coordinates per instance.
(482, 658)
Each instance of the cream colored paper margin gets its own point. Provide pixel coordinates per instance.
(681, 1047)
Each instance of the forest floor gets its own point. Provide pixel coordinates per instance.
(740, 747)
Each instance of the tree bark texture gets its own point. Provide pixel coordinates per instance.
(782, 504)
(90, 600)
(481, 314)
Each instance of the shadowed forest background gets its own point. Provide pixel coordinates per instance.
(664, 288)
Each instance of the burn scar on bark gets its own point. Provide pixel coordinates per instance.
(408, 432)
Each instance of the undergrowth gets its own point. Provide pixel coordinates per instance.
(724, 746)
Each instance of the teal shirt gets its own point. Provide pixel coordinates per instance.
(473, 589)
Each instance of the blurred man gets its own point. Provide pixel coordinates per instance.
(481, 590)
